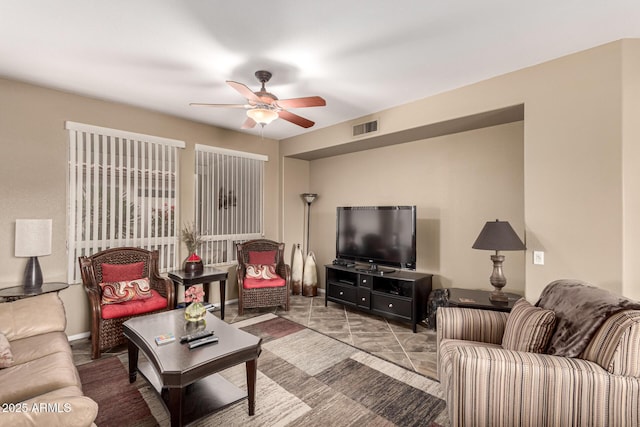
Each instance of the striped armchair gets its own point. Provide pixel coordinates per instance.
(486, 385)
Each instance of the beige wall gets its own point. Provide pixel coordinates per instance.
(573, 165)
(631, 168)
(295, 181)
(581, 183)
(440, 177)
(34, 165)
(573, 168)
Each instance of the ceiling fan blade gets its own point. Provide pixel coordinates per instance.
(295, 119)
(248, 124)
(309, 101)
(244, 91)
(200, 104)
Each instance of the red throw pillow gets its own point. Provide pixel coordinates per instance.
(262, 257)
(122, 272)
(127, 290)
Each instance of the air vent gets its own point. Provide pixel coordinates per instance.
(364, 128)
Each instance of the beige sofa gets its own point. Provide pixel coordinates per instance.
(41, 387)
(487, 384)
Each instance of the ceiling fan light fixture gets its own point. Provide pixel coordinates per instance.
(263, 116)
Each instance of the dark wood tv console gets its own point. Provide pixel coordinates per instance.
(401, 295)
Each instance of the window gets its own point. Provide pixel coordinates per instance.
(229, 201)
(122, 191)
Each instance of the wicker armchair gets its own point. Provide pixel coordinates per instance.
(267, 295)
(107, 333)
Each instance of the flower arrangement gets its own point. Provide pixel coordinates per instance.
(193, 294)
(195, 311)
(192, 240)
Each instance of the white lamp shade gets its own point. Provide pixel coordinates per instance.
(309, 197)
(262, 115)
(33, 237)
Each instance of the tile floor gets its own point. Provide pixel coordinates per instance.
(390, 340)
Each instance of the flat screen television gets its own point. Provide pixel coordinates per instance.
(377, 235)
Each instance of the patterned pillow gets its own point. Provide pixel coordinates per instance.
(262, 271)
(117, 292)
(528, 328)
(6, 358)
(120, 272)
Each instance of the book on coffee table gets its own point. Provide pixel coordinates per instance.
(165, 338)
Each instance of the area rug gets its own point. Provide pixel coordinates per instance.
(306, 378)
(106, 381)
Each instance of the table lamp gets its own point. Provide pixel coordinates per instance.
(498, 236)
(33, 239)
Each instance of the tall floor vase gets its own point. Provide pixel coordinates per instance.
(297, 266)
(310, 276)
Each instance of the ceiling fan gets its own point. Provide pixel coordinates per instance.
(264, 107)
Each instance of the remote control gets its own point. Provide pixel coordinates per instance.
(202, 341)
(195, 336)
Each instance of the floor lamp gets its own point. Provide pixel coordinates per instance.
(309, 275)
(309, 198)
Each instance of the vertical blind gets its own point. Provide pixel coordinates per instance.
(229, 201)
(122, 191)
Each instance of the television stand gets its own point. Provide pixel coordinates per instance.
(373, 268)
(399, 295)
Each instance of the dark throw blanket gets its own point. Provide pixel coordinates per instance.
(580, 311)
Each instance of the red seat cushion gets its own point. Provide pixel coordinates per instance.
(133, 307)
(251, 283)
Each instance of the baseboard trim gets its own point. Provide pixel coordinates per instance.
(79, 336)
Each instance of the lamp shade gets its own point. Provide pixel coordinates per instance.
(498, 236)
(262, 116)
(33, 237)
(309, 197)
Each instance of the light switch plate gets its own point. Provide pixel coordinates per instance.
(538, 257)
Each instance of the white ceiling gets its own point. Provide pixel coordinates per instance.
(361, 56)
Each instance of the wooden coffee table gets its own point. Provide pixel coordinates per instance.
(186, 379)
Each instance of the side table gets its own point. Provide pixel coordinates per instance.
(208, 275)
(472, 298)
(17, 292)
(465, 298)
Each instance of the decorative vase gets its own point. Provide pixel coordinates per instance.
(195, 312)
(296, 271)
(193, 264)
(310, 276)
